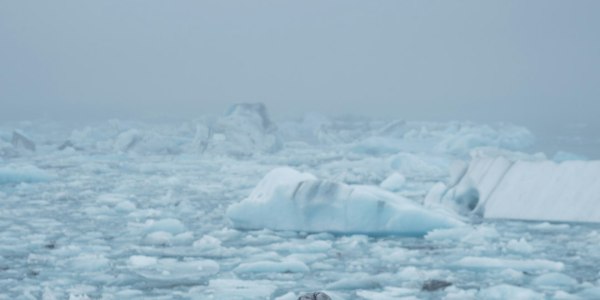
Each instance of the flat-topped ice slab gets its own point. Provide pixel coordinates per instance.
(503, 188)
(286, 199)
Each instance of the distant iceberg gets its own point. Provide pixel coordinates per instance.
(20, 140)
(502, 187)
(245, 129)
(286, 199)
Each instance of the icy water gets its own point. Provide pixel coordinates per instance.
(137, 227)
(118, 213)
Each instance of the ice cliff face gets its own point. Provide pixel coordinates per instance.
(501, 187)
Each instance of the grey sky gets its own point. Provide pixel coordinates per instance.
(521, 61)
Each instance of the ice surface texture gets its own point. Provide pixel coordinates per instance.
(137, 210)
(498, 187)
(286, 199)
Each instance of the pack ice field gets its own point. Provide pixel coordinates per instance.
(241, 207)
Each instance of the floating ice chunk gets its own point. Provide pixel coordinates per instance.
(420, 166)
(414, 274)
(498, 187)
(521, 246)
(342, 130)
(245, 129)
(68, 146)
(125, 206)
(510, 274)
(185, 238)
(22, 173)
(171, 270)
(89, 262)
(388, 293)
(453, 293)
(22, 141)
(590, 293)
(158, 238)
(288, 296)
(48, 294)
(290, 266)
(562, 295)
(467, 137)
(211, 246)
(286, 199)
(206, 243)
(545, 226)
(172, 226)
(141, 261)
(561, 156)
(557, 280)
(355, 282)
(547, 191)
(310, 247)
(235, 289)
(119, 202)
(125, 141)
(111, 199)
(378, 145)
(505, 291)
(503, 263)
(466, 234)
(394, 182)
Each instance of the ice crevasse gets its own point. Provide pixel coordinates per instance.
(286, 199)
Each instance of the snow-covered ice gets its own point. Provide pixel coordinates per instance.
(239, 207)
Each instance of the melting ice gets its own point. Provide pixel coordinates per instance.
(239, 207)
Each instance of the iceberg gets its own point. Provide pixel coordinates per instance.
(525, 189)
(125, 141)
(286, 199)
(20, 140)
(245, 129)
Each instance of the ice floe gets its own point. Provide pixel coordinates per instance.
(286, 199)
(138, 210)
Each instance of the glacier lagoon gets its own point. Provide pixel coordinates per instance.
(134, 210)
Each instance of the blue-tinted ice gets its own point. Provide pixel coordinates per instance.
(130, 210)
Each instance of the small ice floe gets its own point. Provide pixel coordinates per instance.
(285, 266)
(555, 280)
(172, 271)
(394, 182)
(505, 263)
(18, 173)
(235, 289)
(506, 291)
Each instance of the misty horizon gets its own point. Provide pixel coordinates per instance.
(299, 150)
(534, 64)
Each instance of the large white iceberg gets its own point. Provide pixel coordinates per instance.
(526, 189)
(286, 199)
